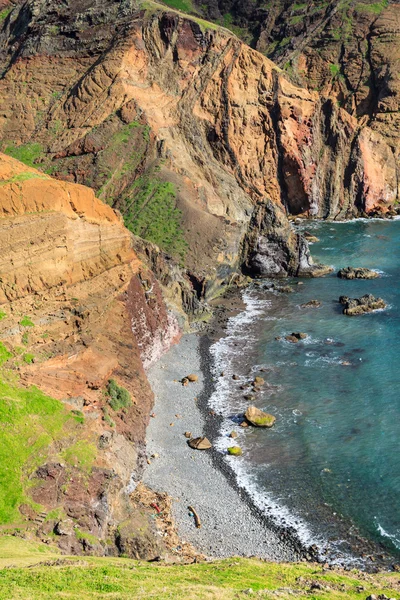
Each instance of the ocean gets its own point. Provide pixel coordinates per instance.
(330, 466)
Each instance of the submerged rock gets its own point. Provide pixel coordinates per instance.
(258, 381)
(312, 304)
(200, 443)
(357, 273)
(259, 418)
(359, 306)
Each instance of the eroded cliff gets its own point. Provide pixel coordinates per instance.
(186, 130)
(78, 310)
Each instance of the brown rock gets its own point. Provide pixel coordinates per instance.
(292, 338)
(200, 443)
(188, 435)
(233, 435)
(259, 418)
(192, 378)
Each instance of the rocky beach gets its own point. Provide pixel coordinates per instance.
(230, 526)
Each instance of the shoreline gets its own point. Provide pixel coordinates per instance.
(251, 532)
(231, 524)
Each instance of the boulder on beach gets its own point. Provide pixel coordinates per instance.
(200, 443)
(359, 306)
(258, 381)
(235, 451)
(233, 434)
(192, 378)
(357, 273)
(259, 418)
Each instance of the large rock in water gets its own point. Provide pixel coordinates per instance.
(357, 273)
(259, 418)
(359, 306)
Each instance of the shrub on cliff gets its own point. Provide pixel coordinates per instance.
(118, 397)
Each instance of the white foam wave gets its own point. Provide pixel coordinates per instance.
(393, 538)
(223, 353)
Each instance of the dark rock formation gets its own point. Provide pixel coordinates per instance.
(359, 306)
(357, 273)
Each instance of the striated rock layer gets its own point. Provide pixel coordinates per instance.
(127, 98)
(77, 311)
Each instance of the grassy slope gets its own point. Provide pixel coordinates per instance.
(30, 571)
(30, 423)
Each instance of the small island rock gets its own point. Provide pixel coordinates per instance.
(359, 306)
(357, 273)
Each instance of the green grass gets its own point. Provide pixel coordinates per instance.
(91, 578)
(375, 8)
(28, 358)
(2, 315)
(183, 5)
(26, 322)
(26, 153)
(4, 13)
(81, 454)
(152, 214)
(4, 354)
(29, 422)
(20, 177)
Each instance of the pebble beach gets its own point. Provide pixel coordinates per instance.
(229, 525)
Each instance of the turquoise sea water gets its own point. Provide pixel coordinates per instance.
(331, 465)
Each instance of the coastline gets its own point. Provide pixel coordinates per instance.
(231, 525)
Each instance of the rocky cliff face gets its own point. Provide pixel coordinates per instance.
(186, 130)
(78, 308)
(348, 50)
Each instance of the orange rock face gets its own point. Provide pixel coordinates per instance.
(226, 127)
(53, 233)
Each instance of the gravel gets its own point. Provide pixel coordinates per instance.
(229, 525)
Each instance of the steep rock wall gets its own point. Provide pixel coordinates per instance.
(224, 126)
(73, 294)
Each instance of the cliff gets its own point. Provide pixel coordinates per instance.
(196, 138)
(78, 310)
(348, 50)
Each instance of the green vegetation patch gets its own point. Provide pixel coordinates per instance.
(2, 315)
(28, 358)
(29, 422)
(183, 5)
(4, 354)
(26, 322)
(151, 213)
(375, 8)
(81, 454)
(4, 13)
(124, 579)
(117, 396)
(26, 153)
